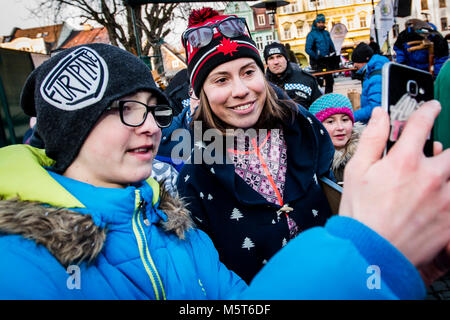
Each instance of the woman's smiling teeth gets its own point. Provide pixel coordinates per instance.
(140, 150)
(244, 107)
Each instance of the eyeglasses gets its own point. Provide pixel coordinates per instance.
(134, 113)
(201, 36)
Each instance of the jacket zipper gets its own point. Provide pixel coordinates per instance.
(142, 243)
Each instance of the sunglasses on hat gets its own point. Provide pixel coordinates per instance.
(202, 36)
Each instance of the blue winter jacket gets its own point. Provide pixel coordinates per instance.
(318, 43)
(112, 245)
(420, 58)
(371, 87)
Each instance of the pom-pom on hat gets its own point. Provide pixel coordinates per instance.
(69, 92)
(330, 104)
(202, 60)
(362, 53)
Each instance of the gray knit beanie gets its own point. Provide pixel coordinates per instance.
(70, 91)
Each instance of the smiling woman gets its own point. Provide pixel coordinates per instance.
(265, 189)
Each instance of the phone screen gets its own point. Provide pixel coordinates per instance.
(404, 89)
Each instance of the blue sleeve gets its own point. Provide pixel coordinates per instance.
(400, 55)
(309, 46)
(372, 94)
(167, 144)
(343, 260)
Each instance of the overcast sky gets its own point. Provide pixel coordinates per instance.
(14, 13)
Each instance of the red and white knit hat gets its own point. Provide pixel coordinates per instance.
(201, 61)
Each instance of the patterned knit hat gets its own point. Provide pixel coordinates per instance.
(201, 61)
(70, 91)
(330, 104)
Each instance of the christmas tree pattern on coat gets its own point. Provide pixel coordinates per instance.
(247, 244)
(236, 214)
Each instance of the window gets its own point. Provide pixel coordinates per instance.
(316, 4)
(259, 43)
(299, 27)
(424, 4)
(287, 32)
(261, 19)
(175, 64)
(269, 39)
(350, 23)
(340, 3)
(444, 23)
(442, 4)
(362, 22)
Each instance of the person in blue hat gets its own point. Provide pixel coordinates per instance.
(321, 51)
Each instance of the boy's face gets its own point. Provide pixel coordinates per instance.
(114, 154)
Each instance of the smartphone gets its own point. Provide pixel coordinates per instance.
(404, 89)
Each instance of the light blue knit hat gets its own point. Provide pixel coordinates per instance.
(330, 104)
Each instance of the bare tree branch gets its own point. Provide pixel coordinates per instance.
(116, 17)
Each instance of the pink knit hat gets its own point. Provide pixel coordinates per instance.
(330, 104)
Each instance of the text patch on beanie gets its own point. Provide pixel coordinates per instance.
(77, 81)
(273, 51)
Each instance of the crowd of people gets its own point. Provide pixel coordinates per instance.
(101, 205)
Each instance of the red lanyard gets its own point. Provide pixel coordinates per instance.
(257, 150)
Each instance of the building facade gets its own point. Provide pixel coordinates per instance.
(258, 21)
(295, 21)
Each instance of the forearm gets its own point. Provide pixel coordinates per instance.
(339, 261)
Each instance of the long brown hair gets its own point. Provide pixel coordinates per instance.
(274, 114)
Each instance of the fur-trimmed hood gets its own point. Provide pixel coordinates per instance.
(342, 156)
(73, 237)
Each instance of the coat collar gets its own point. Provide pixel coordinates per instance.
(302, 158)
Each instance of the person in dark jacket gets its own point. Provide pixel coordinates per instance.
(321, 50)
(301, 86)
(263, 190)
(374, 46)
(418, 30)
(178, 92)
(369, 71)
(291, 54)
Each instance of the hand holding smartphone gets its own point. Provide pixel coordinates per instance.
(405, 89)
